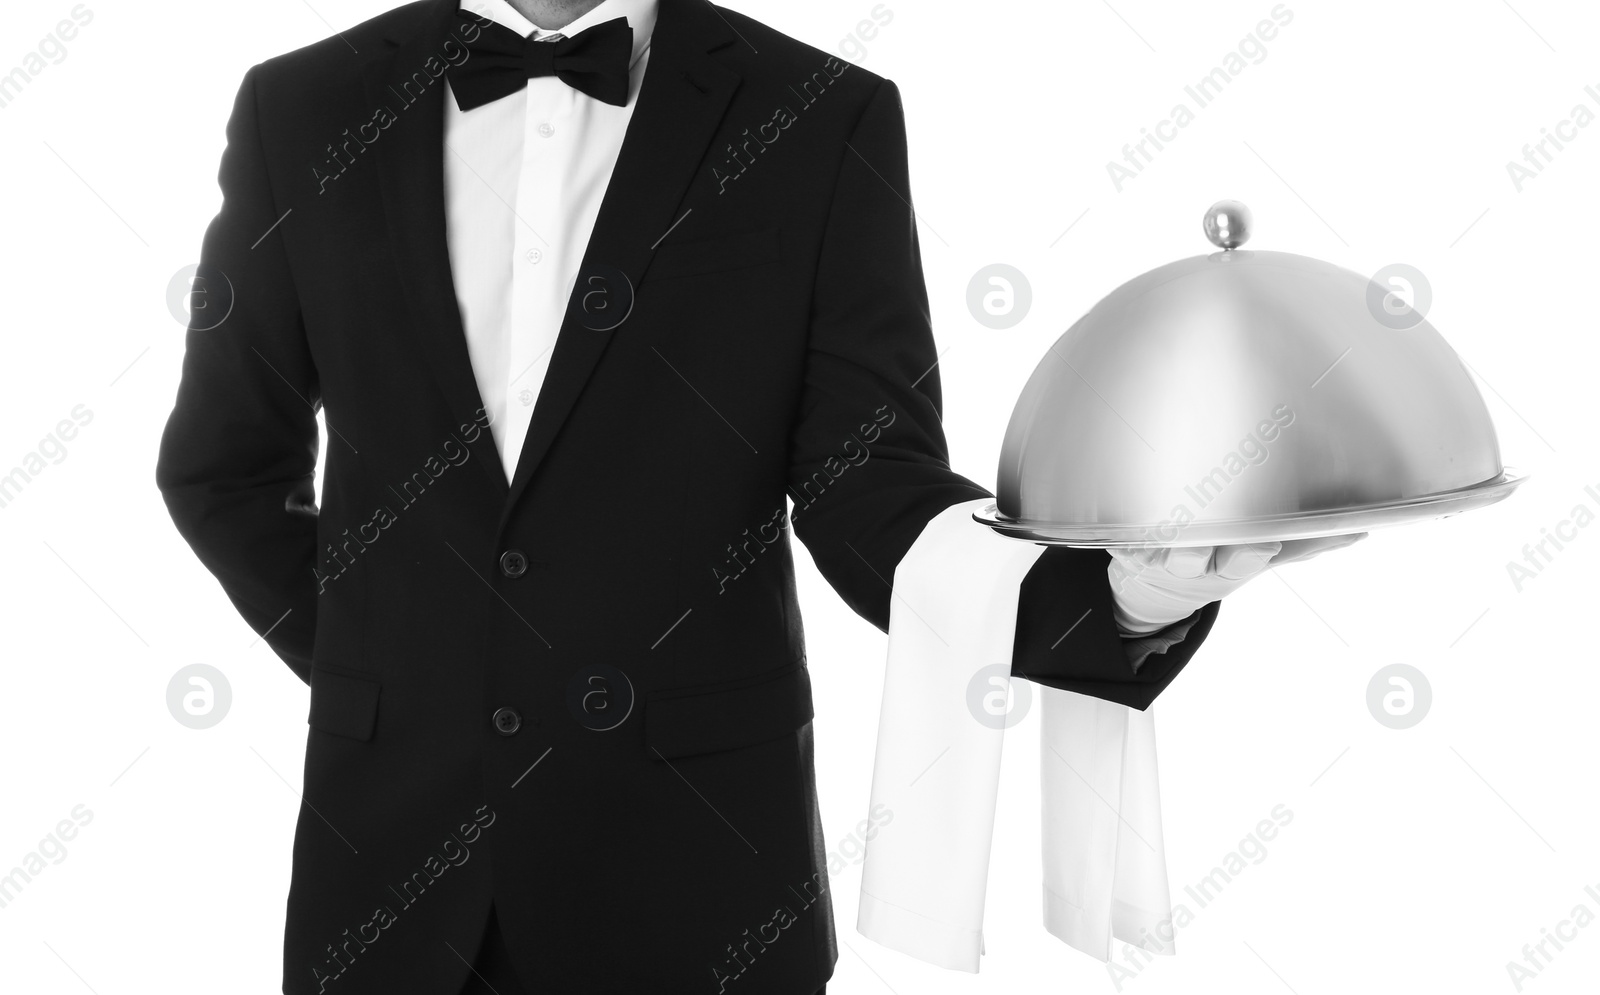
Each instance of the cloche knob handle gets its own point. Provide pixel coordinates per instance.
(1228, 224)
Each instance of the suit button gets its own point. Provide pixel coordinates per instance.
(513, 563)
(507, 721)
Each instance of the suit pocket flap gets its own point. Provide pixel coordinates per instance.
(344, 706)
(712, 255)
(730, 717)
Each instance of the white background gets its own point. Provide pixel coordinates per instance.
(1371, 133)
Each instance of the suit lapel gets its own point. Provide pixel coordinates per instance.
(411, 170)
(681, 101)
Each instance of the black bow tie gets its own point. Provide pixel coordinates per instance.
(500, 62)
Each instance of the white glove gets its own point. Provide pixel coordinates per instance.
(1152, 588)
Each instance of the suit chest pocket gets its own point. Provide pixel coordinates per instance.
(714, 255)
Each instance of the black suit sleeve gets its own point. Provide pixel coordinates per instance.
(869, 467)
(239, 452)
(868, 463)
(1067, 637)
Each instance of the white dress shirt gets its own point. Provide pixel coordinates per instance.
(523, 179)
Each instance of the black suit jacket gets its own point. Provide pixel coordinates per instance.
(647, 819)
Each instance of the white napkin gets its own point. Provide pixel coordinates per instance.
(937, 770)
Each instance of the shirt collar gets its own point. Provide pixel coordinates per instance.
(641, 16)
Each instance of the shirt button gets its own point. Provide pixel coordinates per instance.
(507, 721)
(513, 563)
(546, 130)
(525, 396)
(534, 255)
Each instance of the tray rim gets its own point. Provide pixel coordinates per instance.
(1333, 522)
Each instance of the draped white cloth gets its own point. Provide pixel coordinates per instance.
(938, 769)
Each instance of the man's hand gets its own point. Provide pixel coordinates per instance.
(1152, 588)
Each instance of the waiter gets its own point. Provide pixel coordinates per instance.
(599, 303)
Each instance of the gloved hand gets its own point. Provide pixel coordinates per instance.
(1152, 588)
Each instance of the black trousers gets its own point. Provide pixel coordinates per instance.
(492, 973)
